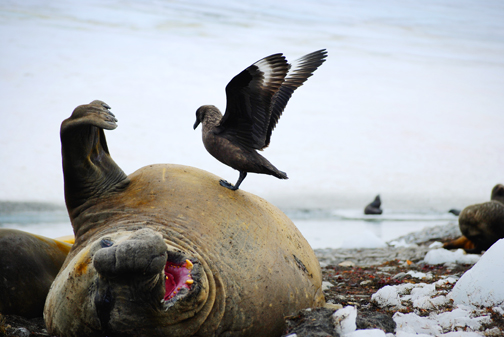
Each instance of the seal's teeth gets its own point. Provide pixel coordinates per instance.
(189, 264)
(189, 282)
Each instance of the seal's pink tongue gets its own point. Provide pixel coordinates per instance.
(178, 276)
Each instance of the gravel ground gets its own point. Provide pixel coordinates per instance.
(352, 276)
(417, 246)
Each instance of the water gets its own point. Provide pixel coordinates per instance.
(346, 228)
(408, 105)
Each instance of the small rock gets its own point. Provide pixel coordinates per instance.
(400, 276)
(375, 321)
(316, 323)
(363, 283)
(493, 332)
(21, 332)
(326, 285)
(333, 306)
(346, 264)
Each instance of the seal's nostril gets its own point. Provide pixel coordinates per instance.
(106, 243)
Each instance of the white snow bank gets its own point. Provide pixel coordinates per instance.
(442, 256)
(482, 284)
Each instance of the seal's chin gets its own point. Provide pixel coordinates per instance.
(178, 279)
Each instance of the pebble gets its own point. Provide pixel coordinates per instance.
(346, 264)
(21, 332)
(400, 276)
(326, 285)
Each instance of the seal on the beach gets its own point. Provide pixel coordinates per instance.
(481, 224)
(166, 251)
(454, 211)
(374, 207)
(256, 98)
(28, 265)
(498, 193)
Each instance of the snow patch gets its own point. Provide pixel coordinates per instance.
(482, 284)
(345, 320)
(443, 256)
(435, 325)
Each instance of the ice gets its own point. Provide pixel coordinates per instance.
(387, 296)
(459, 318)
(420, 275)
(444, 256)
(430, 302)
(470, 294)
(344, 320)
(436, 244)
(412, 323)
(482, 284)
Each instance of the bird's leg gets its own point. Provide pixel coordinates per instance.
(224, 183)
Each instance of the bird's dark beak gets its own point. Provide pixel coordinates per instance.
(196, 124)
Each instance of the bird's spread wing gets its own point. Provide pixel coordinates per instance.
(249, 97)
(299, 72)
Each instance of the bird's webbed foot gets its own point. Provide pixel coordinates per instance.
(225, 184)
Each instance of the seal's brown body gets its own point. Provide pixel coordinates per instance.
(481, 224)
(28, 265)
(250, 266)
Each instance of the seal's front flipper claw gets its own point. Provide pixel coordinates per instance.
(95, 113)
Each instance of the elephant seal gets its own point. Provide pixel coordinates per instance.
(481, 224)
(166, 251)
(28, 265)
(374, 207)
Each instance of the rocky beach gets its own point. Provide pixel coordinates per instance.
(357, 285)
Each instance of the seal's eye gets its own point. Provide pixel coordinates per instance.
(106, 243)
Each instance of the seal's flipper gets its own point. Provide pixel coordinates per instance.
(87, 166)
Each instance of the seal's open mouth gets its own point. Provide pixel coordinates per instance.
(178, 278)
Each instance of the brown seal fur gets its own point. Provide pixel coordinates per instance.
(256, 98)
(28, 265)
(481, 224)
(249, 266)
